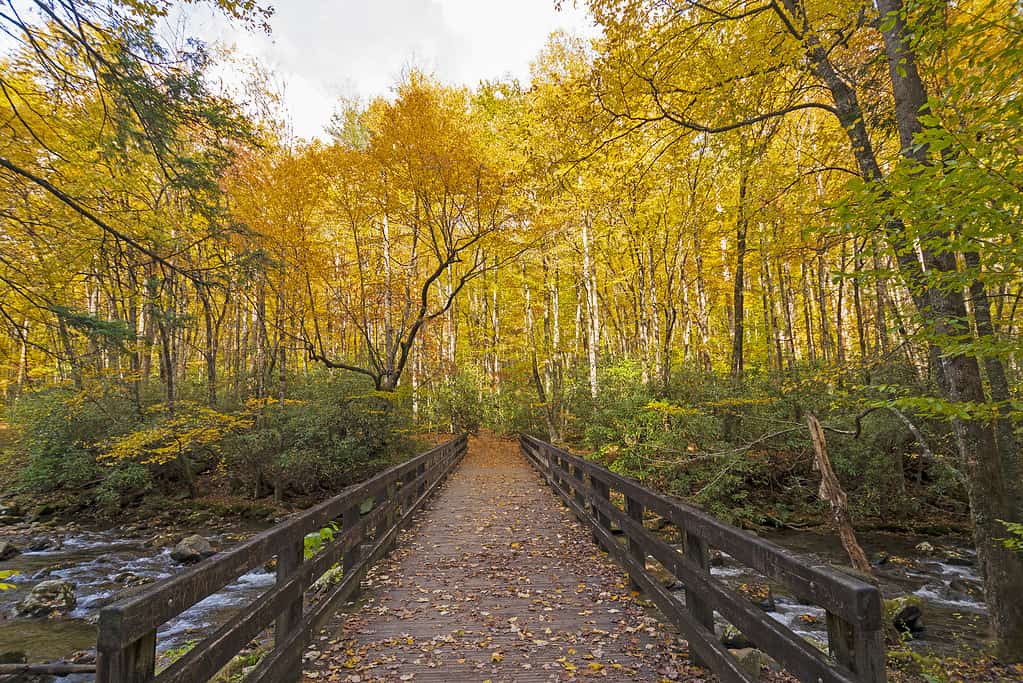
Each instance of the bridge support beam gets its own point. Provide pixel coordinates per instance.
(289, 559)
(351, 557)
(134, 663)
(698, 554)
(602, 491)
(635, 510)
(859, 650)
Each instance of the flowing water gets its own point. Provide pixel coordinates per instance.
(99, 563)
(954, 619)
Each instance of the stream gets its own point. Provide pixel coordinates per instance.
(944, 577)
(101, 562)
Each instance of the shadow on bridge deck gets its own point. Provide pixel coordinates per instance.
(496, 580)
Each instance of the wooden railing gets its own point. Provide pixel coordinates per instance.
(855, 638)
(370, 515)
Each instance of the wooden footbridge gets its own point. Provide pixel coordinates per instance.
(459, 566)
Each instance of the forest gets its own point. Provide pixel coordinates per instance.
(695, 247)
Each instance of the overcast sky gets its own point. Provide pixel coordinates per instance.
(323, 49)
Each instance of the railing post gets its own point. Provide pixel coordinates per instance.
(351, 557)
(422, 485)
(857, 649)
(405, 495)
(289, 559)
(635, 510)
(602, 491)
(133, 663)
(698, 554)
(390, 495)
(577, 486)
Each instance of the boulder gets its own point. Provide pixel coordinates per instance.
(925, 548)
(13, 657)
(957, 558)
(49, 597)
(965, 589)
(38, 544)
(909, 619)
(191, 549)
(10, 515)
(733, 639)
(8, 550)
(760, 594)
(56, 567)
(749, 660)
(132, 579)
(160, 540)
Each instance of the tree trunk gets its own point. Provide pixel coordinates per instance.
(592, 312)
(738, 292)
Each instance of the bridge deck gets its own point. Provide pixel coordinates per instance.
(496, 580)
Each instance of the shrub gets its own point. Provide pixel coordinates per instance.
(57, 432)
(334, 430)
(457, 403)
(123, 483)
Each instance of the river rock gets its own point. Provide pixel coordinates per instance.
(131, 579)
(56, 567)
(160, 540)
(965, 589)
(760, 594)
(191, 549)
(749, 660)
(909, 619)
(49, 597)
(925, 548)
(956, 558)
(39, 544)
(10, 515)
(13, 657)
(733, 639)
(8, 550)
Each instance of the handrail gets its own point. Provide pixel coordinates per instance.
(126, 644)
(855, 637)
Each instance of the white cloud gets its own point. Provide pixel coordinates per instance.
(321, 49)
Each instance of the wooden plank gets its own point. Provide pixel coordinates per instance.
(860, 651)
(601, 490)
(798, 656)
(288, 561)
(699, 557)
(793, 652)
(214, 652)
(275, 664)
(577, 484)
(703, 644)
(351, 557)
(125, 621)
(637, 546)
(856, 601)
(206, 658)
(132, 663)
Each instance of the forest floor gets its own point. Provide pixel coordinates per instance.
(496, 580)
